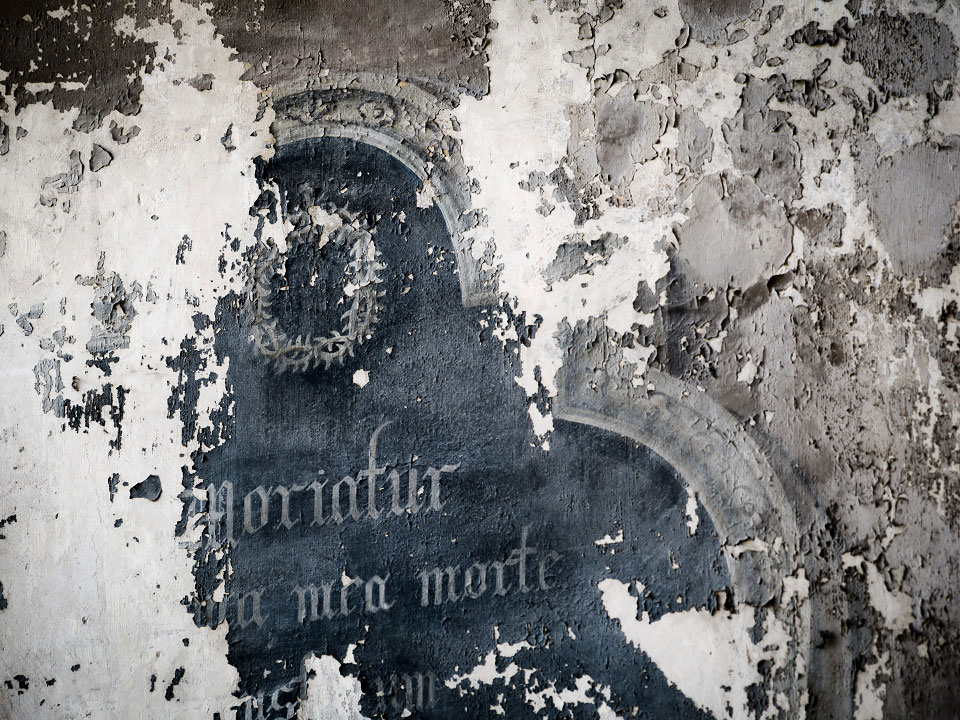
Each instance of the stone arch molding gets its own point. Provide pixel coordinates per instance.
(724, 465)
(406, 121)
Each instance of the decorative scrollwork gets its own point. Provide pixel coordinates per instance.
(362, 277)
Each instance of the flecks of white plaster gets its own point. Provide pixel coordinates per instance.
(329, 695)
(932, 300)
(538, 694)
(579, 694)
(605, 712)
(693, 518)
(871, 688)
(486, 671)
(37, 87)
(361, 377)
(426, 194)
(748, 545)
(124, 621)
(896, 609)
(520, 127)
(608, 540)
(894, 606)
(748, 371)
(709, 657)
(542, 422)
(511, 649)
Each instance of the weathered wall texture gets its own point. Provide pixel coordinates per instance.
(460, 359)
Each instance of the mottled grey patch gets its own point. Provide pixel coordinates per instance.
(534, 181)
(695, 146)
(81, 45)
(113, 307)
(227, 139)
(565, 6)
(911, 196)
(773, 14)
(669, 70)
(584, 57)
(736, 36)
(627, 130)
(646, 301)
(99, 158)
(66, 182)
(537, 181)
(24, 320)
(905, 55)
(759, 54)
(120, 135)
(809, 92)
(734, 234)
(576, 256)
(4, 138)
(812, 34)
(762, 142)
(148, 489)
(185, 244)
(441, 42)
(822, 227)
(586, 23)
(581, 159)
(708, 19)
(201, 82)
(48, 385)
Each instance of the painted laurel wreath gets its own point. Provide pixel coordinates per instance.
(362, 276)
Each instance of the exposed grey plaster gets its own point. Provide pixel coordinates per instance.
(910, 54)
(912, 196)
(709, 21)
(626, 132)
(822, 226)
(734, 235)
(121, 135)
(762, 142)
(696, 140)
(576, 256)
(99, 158)
(66, 182)
(148, 489)
(113, 307)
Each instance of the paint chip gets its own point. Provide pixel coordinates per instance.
(100, 158)
(149, 489)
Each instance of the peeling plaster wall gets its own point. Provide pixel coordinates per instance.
(661, 297)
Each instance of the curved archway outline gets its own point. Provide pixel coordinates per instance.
(729, 472)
